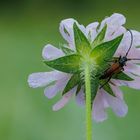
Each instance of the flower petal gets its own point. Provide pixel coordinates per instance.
(121, 30)
(61, 103)
(114, 23)
(98, 109)
(52, 90)
(41, 79)
(91, 30)
(132, 84)
(134, 53)
(118, 105)
(136, 38)
(80, 98)
(66, 30)
(132, 68)
(117, 91)
(50, 52)
(125, 45)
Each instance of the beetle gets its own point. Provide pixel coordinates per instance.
(117, 66)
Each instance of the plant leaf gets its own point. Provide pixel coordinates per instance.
(79, 87)
(94, 88)
(100, 37)
(107, 88)
(68, 64)
(105, 51)
(122, 76)
(81, 42)
(74, 80)
(66, 50)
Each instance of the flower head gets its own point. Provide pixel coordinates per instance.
(92, 44)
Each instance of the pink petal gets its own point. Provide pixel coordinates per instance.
(134, 53)
(118, 105)
(114, 24)
(91, 30)
(119, 82)
(132, 84)
(66, 30)
(80, 98)
(104, 100)
(121, 30)
(52, 90)
(115, 19)
(65, 99)
(50, 52)
(132, 68)
(116, 90)
(98, 111)
(41, 79)
(125, 44)
(136, 38)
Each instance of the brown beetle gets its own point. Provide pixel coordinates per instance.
(117, 66)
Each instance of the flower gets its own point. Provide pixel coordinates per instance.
(70, 82)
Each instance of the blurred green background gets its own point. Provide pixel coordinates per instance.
(25, 113)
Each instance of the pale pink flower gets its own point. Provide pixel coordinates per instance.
(103, 99)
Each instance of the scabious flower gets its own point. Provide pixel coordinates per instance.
(102, 40)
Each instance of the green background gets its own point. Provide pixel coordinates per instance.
(25, 113)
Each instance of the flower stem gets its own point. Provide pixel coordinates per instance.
(88, 104)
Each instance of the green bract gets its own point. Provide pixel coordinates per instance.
(104, 52)
(68, 64)
(66, 50)
(122, 76)
(94, 54)
(81, 42)
(94, 88)
(107, 87)
(74, 80)
(100, 37)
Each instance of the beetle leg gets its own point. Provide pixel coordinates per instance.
(120, 57)
(112, 83)
(105, 82)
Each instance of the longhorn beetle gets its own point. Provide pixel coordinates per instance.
(117, 66)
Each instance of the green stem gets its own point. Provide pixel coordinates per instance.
(88, 103)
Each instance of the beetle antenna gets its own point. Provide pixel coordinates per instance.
(129, 59)
(131, 41)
